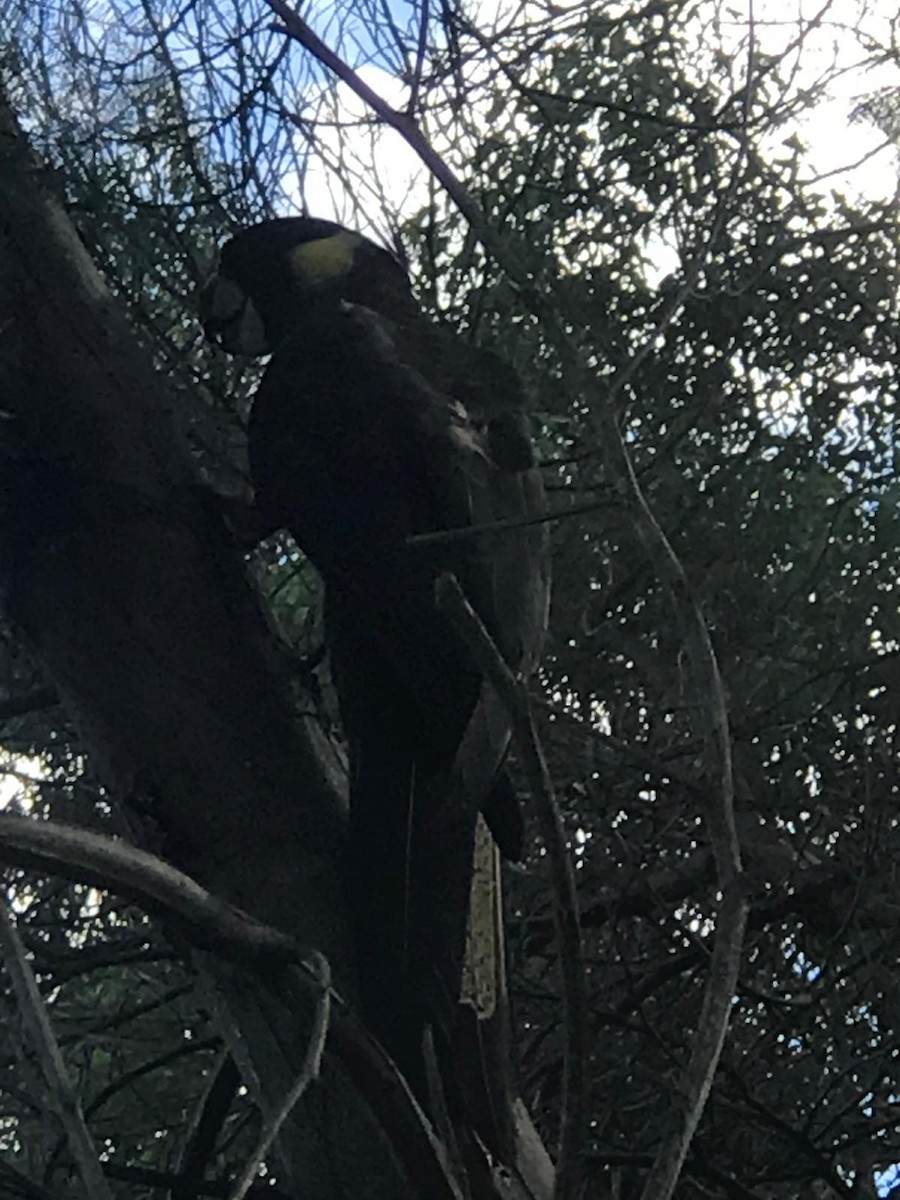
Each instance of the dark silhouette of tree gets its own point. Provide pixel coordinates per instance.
(645, 239)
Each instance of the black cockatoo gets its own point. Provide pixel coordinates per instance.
(373, 425)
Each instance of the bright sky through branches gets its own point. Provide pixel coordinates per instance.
(827, 50)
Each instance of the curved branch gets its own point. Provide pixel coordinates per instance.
(283, 965)
(85, 857)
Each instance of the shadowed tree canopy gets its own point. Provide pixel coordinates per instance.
(673, 257)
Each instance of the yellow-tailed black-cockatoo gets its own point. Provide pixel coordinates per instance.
(373, 425)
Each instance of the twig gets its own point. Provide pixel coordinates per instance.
(416, 81)
(63, 1097)
(309, 1071)
(513, 694)
(461, 533)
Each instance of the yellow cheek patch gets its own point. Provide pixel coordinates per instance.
(325, 258)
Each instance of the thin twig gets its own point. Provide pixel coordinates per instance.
(63, 1097)
(514, 695)
(462, 533)
(309, 1071)
(416, 82)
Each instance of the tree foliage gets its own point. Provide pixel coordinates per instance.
(647, 164)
